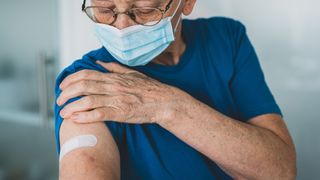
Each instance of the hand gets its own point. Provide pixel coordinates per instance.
(123, 95)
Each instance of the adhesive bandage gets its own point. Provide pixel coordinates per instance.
(77, 142)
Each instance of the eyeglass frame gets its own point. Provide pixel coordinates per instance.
(129, 13)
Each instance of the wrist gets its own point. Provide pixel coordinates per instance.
(176, 104)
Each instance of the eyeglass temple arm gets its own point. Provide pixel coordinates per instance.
(83, 5)
(168, 5)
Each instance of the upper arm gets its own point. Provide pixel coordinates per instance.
(99, 162)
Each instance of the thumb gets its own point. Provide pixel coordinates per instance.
(115, 67)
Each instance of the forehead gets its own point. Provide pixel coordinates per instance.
(130, 1)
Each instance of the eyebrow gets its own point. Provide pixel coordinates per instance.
(148, 3)
(154, 3)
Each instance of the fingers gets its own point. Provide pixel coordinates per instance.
(84, 104)
(82, 88)
(96, 115)
(82, 75)
(115, 67)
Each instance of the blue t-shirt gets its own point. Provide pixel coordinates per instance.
(219, 67)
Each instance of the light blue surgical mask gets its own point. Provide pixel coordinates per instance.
(137, 45)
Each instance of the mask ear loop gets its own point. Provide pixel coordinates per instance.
(175, 28)
(177, 8)
(177, 24)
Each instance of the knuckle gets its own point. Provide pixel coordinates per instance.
(90, 100)
(105, 87)
(117, 83)
(105, 76)
(85, 73)
(112, 101)
(116, 86)
(83, 84)
(138, 100)
(100, 114)
(131, 107)
(113, 63)
(121, 99)
(100, 87)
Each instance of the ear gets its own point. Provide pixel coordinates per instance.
(188, 7)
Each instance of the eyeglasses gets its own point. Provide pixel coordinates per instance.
(147, 16)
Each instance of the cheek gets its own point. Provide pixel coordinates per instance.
(98, 17)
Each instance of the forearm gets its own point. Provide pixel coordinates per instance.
(241, 149)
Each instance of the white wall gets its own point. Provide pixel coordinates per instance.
(76, 34)
(27, 29)
(286, 36)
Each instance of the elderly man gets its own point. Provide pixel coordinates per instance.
(166, 98)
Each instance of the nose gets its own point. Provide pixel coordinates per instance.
(123, 21)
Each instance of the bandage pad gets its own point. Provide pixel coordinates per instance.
(77, 142)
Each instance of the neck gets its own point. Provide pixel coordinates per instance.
(173, 53)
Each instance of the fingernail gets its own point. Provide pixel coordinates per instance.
(62, 113)
(58, 102)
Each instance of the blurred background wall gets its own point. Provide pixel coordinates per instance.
(28, 58)
(38, 38)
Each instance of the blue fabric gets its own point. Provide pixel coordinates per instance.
(219, 68)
